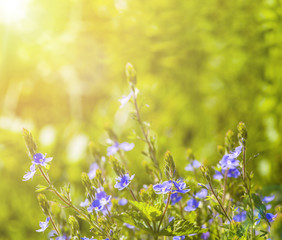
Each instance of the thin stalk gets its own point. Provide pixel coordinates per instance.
(225, 183)
(54, 225)
(244, 163)
(167, 203)
(151, 149)
(132, 194)
(220, 204)
(66, 201)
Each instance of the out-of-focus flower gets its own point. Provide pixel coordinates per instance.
(30, 174)
(85, 203)
(102, 196)
(229, 160)
(124, 100)
(269, 216)
(43, 225)
(175, 198)
(92, 171)
(268, 199)
(232, 173)
(180, 186)
(40, 159)
(163, 188)
(178, 237)
(122, 202)
(123, 181)
(218, 175)
(125, 146)
(240, 216)
(202, 194)
(194, 164)
(192, 205)
(128, 226)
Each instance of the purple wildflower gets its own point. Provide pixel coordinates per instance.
(202, 194)
(95, 205)
(192, 165)
(163, 188)
(92, 171)
(123, 181)
(268, 199)
(40, 159)
(128, 226)
(192, 205)
(43, 225)
(125, 99)
(241, 216)
(30, 174)
(180, 186)
(269, 216)
(122, 202)
(178, 237)
(125, 146)
(218, 175)
(85, 203)
(205, 235)
(232, 173)
(102, 196)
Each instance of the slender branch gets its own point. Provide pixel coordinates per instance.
(151, 149)
(132, 194)
(66, 201)
(220, 204)
(244, 163)
(167, 203)
(54, 225)
(224, 188)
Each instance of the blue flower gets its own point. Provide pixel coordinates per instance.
(85, 238)
(218, 175)
(180, 186)
(40, 159)
(192, 165)
(205, 235)
(232, 173)
(125, 99)
(122, 202)
(241, 216)
(123, 181)
(30, 174)
(85, 203)
(192, 205)
(102, 196)
(175, 198)
(269, 216)
(202, 194)
(43, 225)
(92, 171)
(268, 199)
(128, 226)
(163, 188)
(95, 205)
(178, 237)
(229, 160)
(125, 146)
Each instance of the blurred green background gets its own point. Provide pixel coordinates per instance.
(202, 67)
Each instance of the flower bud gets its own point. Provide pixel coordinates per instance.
(205, 173)
(99, 178)
(242, 133)
(170, 168)
(118, 168)
(43, 202)
(229, 140)
(130, 74)
(30, 143)
(86, 181)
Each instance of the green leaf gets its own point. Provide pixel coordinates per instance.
(41, 188)
(258, 203)
(148, 211)
(180, 227)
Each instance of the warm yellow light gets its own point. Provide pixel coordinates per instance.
(13, 10)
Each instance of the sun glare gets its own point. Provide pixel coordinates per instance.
(13, 10)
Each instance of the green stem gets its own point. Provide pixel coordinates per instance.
(151, 149)
(66, 201)
(167, 203)
(54, 224)
(220, 204)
